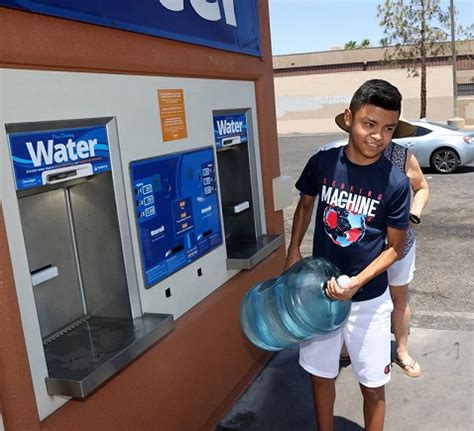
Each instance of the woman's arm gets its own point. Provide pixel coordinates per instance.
(418, 184)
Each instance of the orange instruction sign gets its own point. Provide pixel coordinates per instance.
(172, 115)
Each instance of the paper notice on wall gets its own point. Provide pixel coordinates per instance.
(172, 114)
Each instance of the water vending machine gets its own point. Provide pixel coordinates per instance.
(246, 243)
(71, 199)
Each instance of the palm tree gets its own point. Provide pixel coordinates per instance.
(350, 45)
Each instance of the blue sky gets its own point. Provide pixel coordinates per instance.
(318, 25)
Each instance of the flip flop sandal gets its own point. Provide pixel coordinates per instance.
(409, 368)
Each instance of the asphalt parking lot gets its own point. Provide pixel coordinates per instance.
(442, 291)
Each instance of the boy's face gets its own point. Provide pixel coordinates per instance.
(370, 131)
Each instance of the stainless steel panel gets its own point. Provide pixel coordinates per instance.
(247, 254)
(85, 357)
(243, 168)
(236, 187)
(78, 241)
(48, 239)
(254, 173)
(99, 247)
(123, 219)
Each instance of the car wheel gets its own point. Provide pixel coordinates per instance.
(444, 161)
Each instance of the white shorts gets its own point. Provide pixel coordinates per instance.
(367, 338)
(402, 271)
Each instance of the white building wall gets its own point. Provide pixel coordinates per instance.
(309, 103)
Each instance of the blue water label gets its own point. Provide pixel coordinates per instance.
(34, 154)
(230, 130)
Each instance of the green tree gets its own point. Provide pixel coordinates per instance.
(415, 29)
(350, 45)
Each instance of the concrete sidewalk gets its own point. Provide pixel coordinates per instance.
(280, 399)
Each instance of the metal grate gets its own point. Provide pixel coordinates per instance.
(466, 85)
(65, 330)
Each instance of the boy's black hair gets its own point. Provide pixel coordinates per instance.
(379, 93)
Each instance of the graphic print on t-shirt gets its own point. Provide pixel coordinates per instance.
(346, 214)
(342, 226)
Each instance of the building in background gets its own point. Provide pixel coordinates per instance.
(312, 88)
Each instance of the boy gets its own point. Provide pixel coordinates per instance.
(361, 220)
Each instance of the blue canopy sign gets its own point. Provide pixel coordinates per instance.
(230, 25)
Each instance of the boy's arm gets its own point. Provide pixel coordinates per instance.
(301, 221)
(393, 251)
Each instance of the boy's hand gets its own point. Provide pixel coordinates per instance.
(334, 291)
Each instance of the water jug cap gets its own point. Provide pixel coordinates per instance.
(343, 281)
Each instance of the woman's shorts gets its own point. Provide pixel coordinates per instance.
(367, 337)
(402, 271)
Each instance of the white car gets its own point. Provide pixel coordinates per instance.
(435, 145)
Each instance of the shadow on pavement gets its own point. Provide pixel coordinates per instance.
(459, 171)
(281, 399)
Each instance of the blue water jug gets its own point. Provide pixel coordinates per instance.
(293, 307)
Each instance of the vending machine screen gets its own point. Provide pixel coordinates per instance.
(176, 210)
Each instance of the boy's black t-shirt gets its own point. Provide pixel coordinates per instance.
(356, 204)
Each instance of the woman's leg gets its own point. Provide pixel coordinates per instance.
(401, 316)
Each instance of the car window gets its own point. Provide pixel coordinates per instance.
(421, 131)
(445, 126)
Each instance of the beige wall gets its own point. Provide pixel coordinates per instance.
(308, 103)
